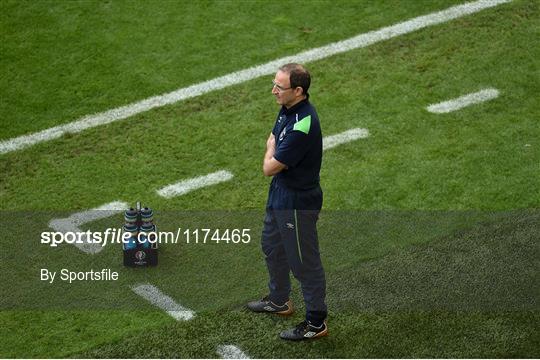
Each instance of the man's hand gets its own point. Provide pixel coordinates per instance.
(270, 165)
(271, 144)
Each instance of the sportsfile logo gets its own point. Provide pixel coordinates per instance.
(109, 236)
(118, 236)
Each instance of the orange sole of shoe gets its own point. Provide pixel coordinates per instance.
(286, 312)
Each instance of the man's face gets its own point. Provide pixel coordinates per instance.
(282, 89)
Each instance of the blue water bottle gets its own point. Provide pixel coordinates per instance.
(131, 241)
(146, 229)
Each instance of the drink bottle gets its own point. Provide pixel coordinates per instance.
(146, 228)
(147, 215)
(131, 242)
(130, 216)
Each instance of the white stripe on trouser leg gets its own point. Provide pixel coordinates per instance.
(154, 296)
(297, 237)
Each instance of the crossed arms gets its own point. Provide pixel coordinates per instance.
(270, 165)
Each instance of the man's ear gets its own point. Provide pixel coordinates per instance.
(299, 91)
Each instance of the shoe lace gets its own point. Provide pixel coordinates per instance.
(302, 327)
(267, 299)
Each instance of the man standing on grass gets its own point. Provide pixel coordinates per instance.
(289, 238)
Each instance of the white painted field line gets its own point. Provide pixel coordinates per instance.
(185, 186)
(231, 352)
(344, 137)
(72, 223)
(241, 76)
(463, 101)
(154, 296)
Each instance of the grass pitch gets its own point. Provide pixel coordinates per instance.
(427, 241)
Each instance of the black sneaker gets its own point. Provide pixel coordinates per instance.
(265, 305)
(305, 331)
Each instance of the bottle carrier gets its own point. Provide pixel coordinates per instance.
(140, 248)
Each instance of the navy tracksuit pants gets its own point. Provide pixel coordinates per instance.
(290, 243)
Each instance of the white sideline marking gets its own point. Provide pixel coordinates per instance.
(72, 223)
(231, 352)
(154, 296)
(185, 186)
(463, 101)
(344, 137)
(241, 76)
